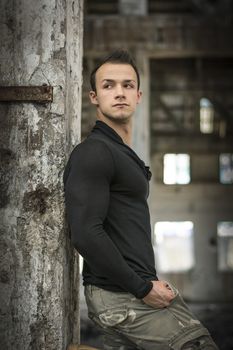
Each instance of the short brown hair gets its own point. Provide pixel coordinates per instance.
(117, 56)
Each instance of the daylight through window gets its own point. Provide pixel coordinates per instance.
(226, 168)
(225, 245)
(173, 245)
(176, 169)
(206, 116)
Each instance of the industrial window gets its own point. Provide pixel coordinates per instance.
(173, 245)
(176, 169)
(206, 116)
(225, 246)
(132, 7)
(226, 168)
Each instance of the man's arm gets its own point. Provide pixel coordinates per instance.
(87, 193)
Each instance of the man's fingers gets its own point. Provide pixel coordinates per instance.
(168, 287)
(166, 284)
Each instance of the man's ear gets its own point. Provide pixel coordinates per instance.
(139, 96)
(93, 97)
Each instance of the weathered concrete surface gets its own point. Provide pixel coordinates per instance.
(41, 43)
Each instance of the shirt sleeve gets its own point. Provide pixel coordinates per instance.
(87, 192)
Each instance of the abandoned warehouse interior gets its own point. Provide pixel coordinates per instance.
(184, 130)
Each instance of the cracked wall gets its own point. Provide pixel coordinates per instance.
(41, 43)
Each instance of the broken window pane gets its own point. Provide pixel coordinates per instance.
(206, 116)
(173, 245)
(225, 246)
(226, 168)
(176, 169)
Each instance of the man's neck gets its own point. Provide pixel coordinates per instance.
(123, 130)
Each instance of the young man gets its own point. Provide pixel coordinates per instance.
(106, 190)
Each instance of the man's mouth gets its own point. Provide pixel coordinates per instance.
(120, 105)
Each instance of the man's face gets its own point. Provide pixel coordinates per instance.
(116, 93)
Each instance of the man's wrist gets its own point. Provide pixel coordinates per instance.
(149, 286)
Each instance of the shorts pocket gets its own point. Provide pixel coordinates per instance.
(114, 316)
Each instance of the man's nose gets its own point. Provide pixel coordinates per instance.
(119, 91)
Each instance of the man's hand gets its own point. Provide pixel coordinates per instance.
(160, 295)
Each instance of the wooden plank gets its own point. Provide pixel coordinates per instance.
(41, 94)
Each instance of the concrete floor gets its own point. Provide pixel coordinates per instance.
(218, 318)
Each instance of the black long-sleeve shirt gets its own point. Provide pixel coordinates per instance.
(106, 191)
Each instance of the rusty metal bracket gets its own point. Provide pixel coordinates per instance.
(40, 94)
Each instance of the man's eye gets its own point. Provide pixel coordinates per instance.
(129, 86)
(107, 86)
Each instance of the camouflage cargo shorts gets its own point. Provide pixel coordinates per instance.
(127, 323)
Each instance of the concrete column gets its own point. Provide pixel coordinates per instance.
(141, 121)
(41, 43)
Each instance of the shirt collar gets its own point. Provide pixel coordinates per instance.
(107, 130)
(100, 126)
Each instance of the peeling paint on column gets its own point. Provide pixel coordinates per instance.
(38, 278)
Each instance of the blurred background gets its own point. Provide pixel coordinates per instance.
(183, 129)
